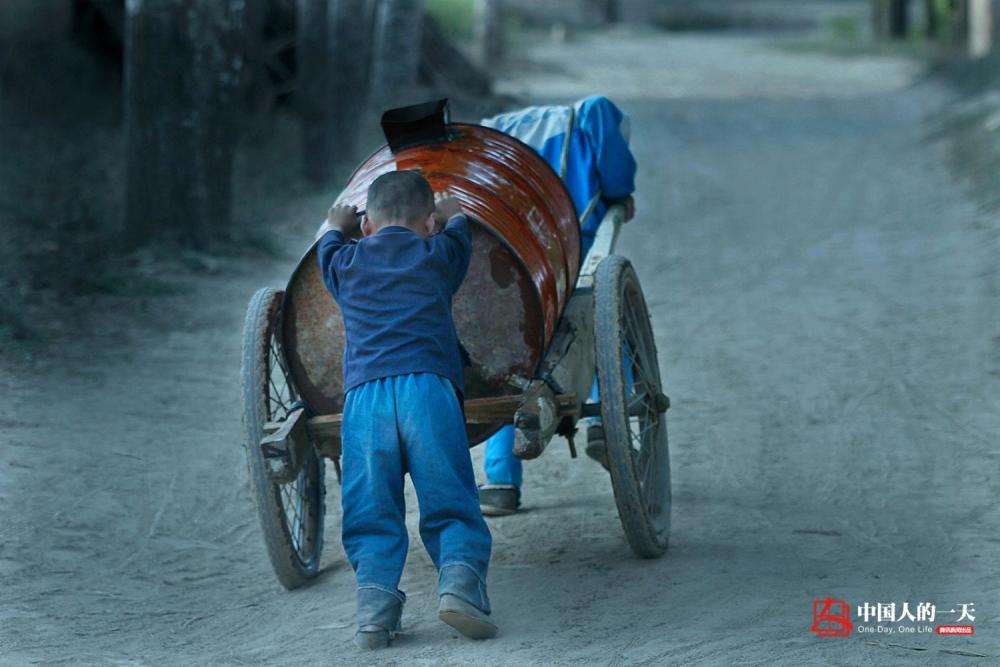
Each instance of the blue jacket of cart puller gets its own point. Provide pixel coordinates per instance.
(394, 290)
(599, 161)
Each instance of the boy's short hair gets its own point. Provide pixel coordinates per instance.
(400, 196)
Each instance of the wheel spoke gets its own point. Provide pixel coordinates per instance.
(277, 351)
(292, 500)
(293, 496)
(642, 401)
(280, 389)
(646, 426)
(639, 374)
(643, 463)
(647, 470)
(275, 397)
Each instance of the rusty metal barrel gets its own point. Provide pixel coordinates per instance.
(525, 261)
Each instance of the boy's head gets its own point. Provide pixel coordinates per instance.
(402, 198)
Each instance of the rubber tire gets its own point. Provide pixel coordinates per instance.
(616, 288)
(291, 569)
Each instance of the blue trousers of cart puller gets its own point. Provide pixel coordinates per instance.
(410, 424)
(500, 464)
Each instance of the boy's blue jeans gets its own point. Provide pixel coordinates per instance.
(411, 424)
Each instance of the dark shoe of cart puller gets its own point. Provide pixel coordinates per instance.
(534, 321)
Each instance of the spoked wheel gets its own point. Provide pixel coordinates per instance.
(291, 515)
(633, 407)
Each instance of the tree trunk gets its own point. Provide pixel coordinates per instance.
(890, 18)
(221, 43)
(256, 91)
(960, 24)
(899, 18)
(980, 28)
(491, 37)
(608, 11)
(332, 57)
(880, 19)
(443, 67)
(349, 55)
(312, 91)
(395, 52)
(182, 75)
(932, 25)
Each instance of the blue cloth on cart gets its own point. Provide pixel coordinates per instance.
(599, 159)
(411, 424)
(394, 290)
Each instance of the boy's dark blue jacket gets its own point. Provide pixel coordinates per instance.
(394, 290)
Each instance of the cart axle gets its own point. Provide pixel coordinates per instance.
(661, 403)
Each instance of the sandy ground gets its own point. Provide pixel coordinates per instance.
(825, 297)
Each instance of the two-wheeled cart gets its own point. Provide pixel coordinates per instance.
(535, 325)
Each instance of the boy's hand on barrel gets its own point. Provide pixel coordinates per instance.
(445, 208)
(343, 218)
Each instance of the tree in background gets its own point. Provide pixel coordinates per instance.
(606, 11)
(348, 58)
(890, 18)
(312, 92)
(979, 27)
(490, 32)
(269, 75)
(197, 71)
(183, 61)
(395, 59)
(932, 17)
(332, 55)
(967, 25)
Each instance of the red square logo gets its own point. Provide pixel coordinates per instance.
(831, 618)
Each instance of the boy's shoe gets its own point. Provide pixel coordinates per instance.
(466, 617)
(499, 499)
(372, 637)
(597, 448)
(379, 614)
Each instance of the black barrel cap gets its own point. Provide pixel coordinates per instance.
(416, 124)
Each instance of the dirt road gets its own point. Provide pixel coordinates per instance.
(825, 297)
